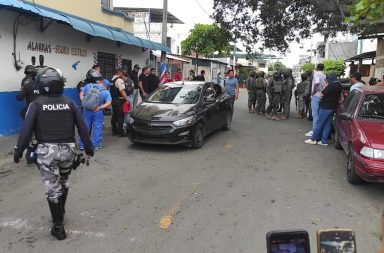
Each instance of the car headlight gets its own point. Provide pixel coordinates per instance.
(372, 153)
(130, 120)
(184, 122)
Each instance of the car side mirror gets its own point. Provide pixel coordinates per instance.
(346, 116)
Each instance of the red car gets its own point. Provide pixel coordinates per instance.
(360, 132)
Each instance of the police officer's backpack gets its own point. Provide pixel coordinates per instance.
(260, 83)
(92, 98)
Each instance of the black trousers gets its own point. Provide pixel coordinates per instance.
(117, 119)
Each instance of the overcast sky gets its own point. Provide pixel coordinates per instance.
(197, 11)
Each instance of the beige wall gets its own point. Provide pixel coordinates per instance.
(88, 9)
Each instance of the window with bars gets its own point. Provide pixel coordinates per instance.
(107, 63)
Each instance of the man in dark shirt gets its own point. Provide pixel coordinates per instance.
(153, 80)
(329, 101)
(134, 75)
(144, 84)
(200, 77)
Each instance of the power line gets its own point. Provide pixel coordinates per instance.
(202, 8)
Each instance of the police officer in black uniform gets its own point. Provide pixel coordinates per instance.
(29, 89)
(53, 117)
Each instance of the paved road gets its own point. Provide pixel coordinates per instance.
(225, 197)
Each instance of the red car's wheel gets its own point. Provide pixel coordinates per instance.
(337, 144)
(352, 177)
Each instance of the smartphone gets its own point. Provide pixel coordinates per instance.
(336, 241)
(286, 241)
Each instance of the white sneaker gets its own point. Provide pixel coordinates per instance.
(322, 144)
(309, 141)
(309, 134)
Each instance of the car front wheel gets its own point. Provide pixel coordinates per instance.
(352, 177)
(198, 136)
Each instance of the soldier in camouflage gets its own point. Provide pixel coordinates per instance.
(261, 89)
(274, 89)
(288, 85)
(53, 118)
(252, 95)
(303, 90)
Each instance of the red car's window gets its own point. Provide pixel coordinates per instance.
(372, 107)
(349, 99)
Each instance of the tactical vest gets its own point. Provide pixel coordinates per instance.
(55, 121)
(277, 86)
(251, 82)
(301, 87)
(260, 84)
(115, 92)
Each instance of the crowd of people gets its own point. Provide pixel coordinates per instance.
(278, 88)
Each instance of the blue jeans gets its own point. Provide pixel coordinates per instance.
(315, 106)
(323, 126)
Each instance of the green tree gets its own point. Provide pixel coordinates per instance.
(308, 67)
(276, 66)
(368, 10)
(274, 24)
(244, 73)
(337, 66)
(206, 39)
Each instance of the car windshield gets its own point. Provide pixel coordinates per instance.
(175, 95)
(372, 107)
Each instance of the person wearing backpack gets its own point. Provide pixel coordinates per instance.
(251, 87)
(261, 93)
(95, 98)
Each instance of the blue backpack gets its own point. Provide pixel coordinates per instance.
(92, 98)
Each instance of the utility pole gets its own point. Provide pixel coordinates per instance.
(234, 57)
(164, 29)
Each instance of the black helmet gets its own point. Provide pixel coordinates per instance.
(93, 76)
(277, 75)
(50, 81)
(261, 74)
(30, 70)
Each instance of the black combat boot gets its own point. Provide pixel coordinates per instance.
(57, 218)
(64, 198)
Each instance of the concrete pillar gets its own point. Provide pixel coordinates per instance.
(379, 73)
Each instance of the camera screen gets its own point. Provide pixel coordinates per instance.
(337, 242)
(289, 246)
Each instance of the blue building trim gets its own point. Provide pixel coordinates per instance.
(10, 120)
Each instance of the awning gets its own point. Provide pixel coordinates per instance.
(363, 56)
(84, 25)
(172, 57)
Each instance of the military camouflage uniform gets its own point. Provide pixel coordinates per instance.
(252, 96)
(274, 98)
(301, 90)
(288, 86)
(55, 163)
(261, 96)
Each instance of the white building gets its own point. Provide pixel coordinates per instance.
(65, 41)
